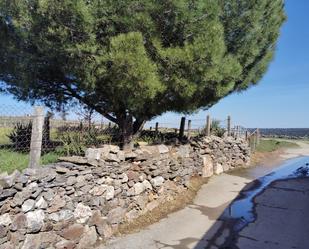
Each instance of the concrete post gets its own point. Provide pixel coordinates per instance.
(36, 137)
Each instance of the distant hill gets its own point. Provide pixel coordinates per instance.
(284, 132)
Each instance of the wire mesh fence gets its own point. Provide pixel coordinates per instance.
(59, 137)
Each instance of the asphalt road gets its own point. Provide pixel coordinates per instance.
(282, 221)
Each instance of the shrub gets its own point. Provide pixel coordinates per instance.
(20, 137)
(216, 129)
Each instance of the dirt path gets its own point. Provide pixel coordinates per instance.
(198, 225)
(302, 150)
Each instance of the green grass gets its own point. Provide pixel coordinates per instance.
(269, 145)
(4, 132)
(10, 160)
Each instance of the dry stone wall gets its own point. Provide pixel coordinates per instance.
(81, 201)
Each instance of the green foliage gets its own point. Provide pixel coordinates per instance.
(216, 129)
(72, 144)
(74, 140)
(20, 136)
(4, 132)
(133, 60)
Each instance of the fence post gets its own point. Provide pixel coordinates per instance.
(189, 129)
(208, 125)
(157, 127)
(182, 127)
(247, 135)
(46, 129)
(229, 125)
(36, 137)
(258, 136)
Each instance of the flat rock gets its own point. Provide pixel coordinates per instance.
(163, 149)
(7, 193)
(139, 188)
(19, 222)
(35, 220)
(88, 238)
(28, 205)
(73, 232)
(82, 213)
(116, 215)
(74, 159)
(157, 181)
(5, 219)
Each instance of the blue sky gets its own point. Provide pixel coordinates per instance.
(281, 99)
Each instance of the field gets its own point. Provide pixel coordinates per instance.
(11, 160)
(270, 145)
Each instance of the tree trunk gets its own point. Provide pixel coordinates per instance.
(129, 130)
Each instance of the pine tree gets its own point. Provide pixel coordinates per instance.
(133, 60)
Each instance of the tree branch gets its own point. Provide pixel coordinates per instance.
(72, 93)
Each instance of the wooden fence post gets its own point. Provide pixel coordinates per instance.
(157, 127)
(247, 135)
(182, 127)
(229, 125)
(189, 129)
(36, 137)
(258, 135)
(208, 125)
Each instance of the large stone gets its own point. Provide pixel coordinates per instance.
(130, 155)
(82, 213)
(93, 154)
(40, 240)
(62, 170)
(5, 220)
(88, 238)
(147, 184)
(35, 220)
(139, 188)
(98, 190)
(56, 204)
(41, 203)
(65, 214)
(19, 222)
(112, 158)
(218, 169)
(74, 159)
(100, 223)
(208, 168)
(132, 175)
(65, 244)
(3, 231)
(116, 215)
(163, 149)
(6, 182)
(183, 151)
(7, 193)
(73, 232)
(157, 181)
(28, 205)
(110, 193)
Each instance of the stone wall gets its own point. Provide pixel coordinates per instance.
(81, 201)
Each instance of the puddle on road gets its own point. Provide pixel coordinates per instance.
(241, 209)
